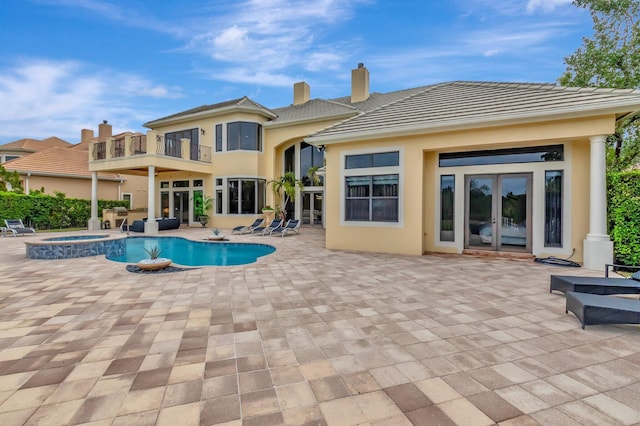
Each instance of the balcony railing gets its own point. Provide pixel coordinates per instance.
(139, 145)
(117, 148)
(100, 151)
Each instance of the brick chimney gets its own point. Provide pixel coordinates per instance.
(359, 84)
(86, 135)
(104, 131)
(301, 93)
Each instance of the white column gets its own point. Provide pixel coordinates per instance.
(598, 247)
(94, 221)
(151, 226)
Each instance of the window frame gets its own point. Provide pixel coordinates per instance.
(372, 171)
(223, 195)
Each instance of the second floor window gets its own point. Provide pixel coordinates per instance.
(245, 136)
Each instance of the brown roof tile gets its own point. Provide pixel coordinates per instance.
(33, 145)
(59, 161)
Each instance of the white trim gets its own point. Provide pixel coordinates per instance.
(372, 171)
(537, 200)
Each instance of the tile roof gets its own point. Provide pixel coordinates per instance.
(326, 108)
(57, 161)
(452, 104)
(33, 145)
(243, 103)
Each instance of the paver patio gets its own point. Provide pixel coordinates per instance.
(305, 336)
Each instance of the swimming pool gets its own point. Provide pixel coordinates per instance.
(192, 253)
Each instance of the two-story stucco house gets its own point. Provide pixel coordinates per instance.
(451, 167)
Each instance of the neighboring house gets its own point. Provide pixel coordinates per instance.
(448, 168)
(20, 148)
(58, 166)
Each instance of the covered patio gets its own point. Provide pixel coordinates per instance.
(305, 336)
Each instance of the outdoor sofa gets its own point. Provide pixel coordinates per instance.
(164, 224)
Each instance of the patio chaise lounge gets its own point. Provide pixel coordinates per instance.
(592, 309)
(16, 227)
(595, 285)
(292, 226)
(264, 230)
(250, 229)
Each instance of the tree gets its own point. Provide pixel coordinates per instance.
(285, 186)
(611, 58)
(10, 181)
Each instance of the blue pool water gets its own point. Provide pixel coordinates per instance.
(192, 253)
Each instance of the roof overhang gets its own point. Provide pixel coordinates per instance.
(316, 119)
(66, 176)
(618, 109)
(208, 113)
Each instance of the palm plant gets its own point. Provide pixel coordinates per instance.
(285, 186)
(153, 252)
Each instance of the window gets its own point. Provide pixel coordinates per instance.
(164, 184)
(218, 137)
(173, 144)
(218, 201)
(311, 159)
(533, 154)
(245, 136)
(128, 197)
(290, 159)
(380, 159)
(447, 190)
(180, 183)
(372, 198)
(553, 208)
(245, 196)
(197, 182)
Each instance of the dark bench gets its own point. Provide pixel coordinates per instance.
(594, 285)
(592, 309)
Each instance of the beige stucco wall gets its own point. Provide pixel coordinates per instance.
(72, 188)
(416, 232)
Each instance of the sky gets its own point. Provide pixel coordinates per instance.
(67, 65)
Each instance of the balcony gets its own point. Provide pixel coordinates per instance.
(140, 145)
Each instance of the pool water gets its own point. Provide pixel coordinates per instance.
(193, 253)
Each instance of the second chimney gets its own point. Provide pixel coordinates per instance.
(104, 131)
(359, 84)
(301, 93)
(86, 135)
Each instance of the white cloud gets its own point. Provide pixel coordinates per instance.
(46, 98)
(545, 5)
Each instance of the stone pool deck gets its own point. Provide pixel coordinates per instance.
(305, 336)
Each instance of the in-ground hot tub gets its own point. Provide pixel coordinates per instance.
(73, 246)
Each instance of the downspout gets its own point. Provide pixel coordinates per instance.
(26, 183)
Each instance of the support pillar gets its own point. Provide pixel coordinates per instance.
(598, 247)
(94, 220)
(151, 226)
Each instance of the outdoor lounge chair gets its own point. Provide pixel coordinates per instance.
(592, 309)
(264, 230)
(17, 227)
(596, 285)
(248, 229)
(292, 226)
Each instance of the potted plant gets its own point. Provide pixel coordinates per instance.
(268, 212)
(216, 235)
(154, 262)
(203, 206)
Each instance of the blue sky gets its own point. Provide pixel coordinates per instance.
(66, 65)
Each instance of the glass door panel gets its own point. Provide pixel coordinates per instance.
(514, 212)
(480, 212)
(312, 208)
(181, 206)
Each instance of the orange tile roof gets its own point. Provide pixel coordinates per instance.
(34, 145)
(58, 161)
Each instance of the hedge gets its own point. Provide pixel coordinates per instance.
(624, 216)
(47, 212)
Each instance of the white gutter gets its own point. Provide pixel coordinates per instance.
(61, 175)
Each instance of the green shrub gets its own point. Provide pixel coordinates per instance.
(624, 216)
(46, 212)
